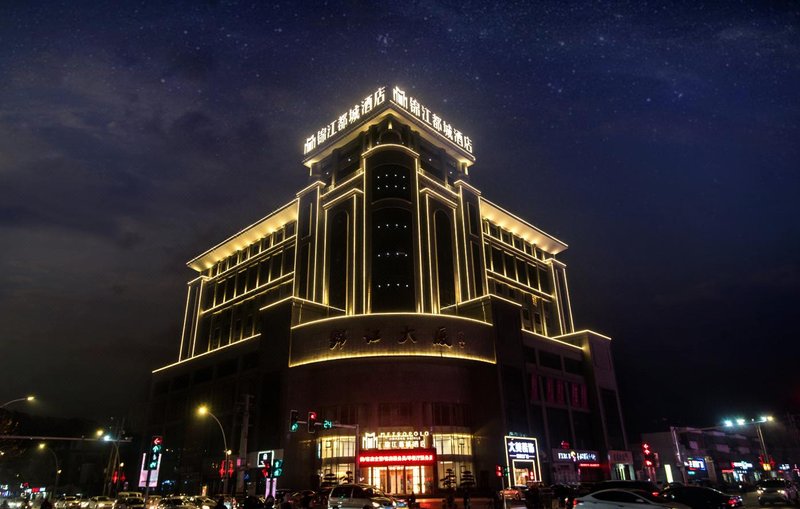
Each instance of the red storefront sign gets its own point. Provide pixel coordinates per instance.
(408, 457)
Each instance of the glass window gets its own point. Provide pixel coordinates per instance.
(275, 268)
(549, 360)
(497, 260)
(511, 270)
(472, 217)
(454, 444)
(290, 229)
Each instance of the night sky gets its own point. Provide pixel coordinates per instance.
(659, 140)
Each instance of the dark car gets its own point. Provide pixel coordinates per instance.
(698, 497)
(626, 485)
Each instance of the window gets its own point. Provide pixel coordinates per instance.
(277, 236)
(497, 260)
(511, 271)
(574, 366)
(337, 259)
(522, 273)
(477, 273)
(391, 181)
(290, 229)
(275, 268)
(529, 353)
(241, 282)
(392, 260)
(549, 360)
(288, 260)
(263, 272)
(252, 277)
(444, 259)
(472, 217)
(505, 236)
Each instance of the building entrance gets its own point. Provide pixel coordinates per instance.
(401, 479)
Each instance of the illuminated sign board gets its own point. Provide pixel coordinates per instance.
(741, 465)
(369, 105)
(410, 457)
(264, 459)
(696, 464)
(573, 456)
(522, 448)
(396, 440)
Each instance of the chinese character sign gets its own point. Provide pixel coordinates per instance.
(432, 120)
(521, 448)
(348, 118)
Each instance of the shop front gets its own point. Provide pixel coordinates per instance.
(522, 460)
(739, 471)
(402, 462)
(621, 465)
(573, 466)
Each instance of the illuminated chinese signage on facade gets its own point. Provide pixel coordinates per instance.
(695, 464)
(432, 120)
(741, 465)
(573, 456)
(521, 448)
(348, 118)
(388, 440)
(411, 457)
(369, 105)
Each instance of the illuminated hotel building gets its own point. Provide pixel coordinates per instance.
(432, 326)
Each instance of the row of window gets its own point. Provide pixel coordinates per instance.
(555, 391)
(250, 251)
(537, 314)
(516, 241)
(250, 278)
(552, 360)
(528, 274)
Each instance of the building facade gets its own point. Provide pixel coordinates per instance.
(428, 328)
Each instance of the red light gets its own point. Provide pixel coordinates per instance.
(648, 463)
(656, 494)
(576, 501)
(312, 416)
(498, 471)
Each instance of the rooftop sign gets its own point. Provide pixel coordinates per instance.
(370, 104)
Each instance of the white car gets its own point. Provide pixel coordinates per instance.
(100, 503)
(625, 499)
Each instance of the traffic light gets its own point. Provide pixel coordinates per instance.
(312, 421)
(505, 471)
(277, 468)
(293, 420)
(498, 471)
(154, 454)
(648, 456)
(265, 470)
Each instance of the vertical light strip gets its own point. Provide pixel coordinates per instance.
(197, 315)
(457, 296)
(432, 283)
(325, 298)
(466, 244)
(316, 245)
(418, 291)
(569, 303)
(185, 319)
(367, 198)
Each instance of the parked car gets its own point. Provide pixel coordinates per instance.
(100, 502)
(616, 499)
(129, 503)
(68, 502)
(320, 500)
(778, 491)
(699, 497)
(203, 502)
(513, 493)
(128, 494)
(356, 496)
(627, 485)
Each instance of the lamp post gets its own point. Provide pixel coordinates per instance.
(26, 398)
(43, 446)
(203, 411)
(729, 423)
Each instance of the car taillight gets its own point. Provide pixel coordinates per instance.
(655, 493)
(576, 501)
(732, 502)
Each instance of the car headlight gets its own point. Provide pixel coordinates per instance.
(375, 504)
(782, 492)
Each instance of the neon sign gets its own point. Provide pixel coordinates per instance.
(396, 440)
(413, 106)
(411, 457)
(369, 105)
(346, 119)
(696, 464)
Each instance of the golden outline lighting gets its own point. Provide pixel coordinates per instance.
(348, 118)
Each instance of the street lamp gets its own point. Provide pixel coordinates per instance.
(26, 398)
(43, 446)
(757, 423)
(202, 411)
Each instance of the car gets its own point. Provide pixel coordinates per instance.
(618, 498)
(100, 502)
(152, 501)
(699, 497)
(513, 493)
(68, 502)
(128, 494)
(320, 500)
(627, 485)
(18, 503)
(778, 491)
(203, 502)
(356, 496)
(129, 503)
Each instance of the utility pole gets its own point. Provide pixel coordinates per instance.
(242, 467)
